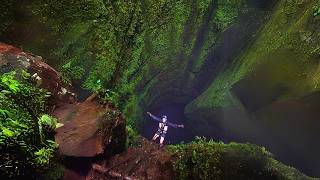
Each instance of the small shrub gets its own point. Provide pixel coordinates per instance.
(48, 121)
(71, 72)
(47, 125)
(108, 96)
(133, 137)
(9, 84)
(44, 155)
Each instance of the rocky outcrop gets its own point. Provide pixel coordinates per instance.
(43, 75)
(197, 160)
(144, 162)
(90, 129)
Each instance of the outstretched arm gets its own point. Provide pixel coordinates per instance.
(175, 125)
(153, 117)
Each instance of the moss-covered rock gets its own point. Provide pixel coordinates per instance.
(213, 160)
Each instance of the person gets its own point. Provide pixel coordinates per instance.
(163, 127)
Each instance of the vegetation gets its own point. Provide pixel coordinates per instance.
(71, 73)
(317, 11)
(122, 45)
(26, 149)
(6, 9)
(130, 53)
(284, 42)
(113, 131)
(133, 138)
(203, 159)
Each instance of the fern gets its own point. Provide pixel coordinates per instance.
(23, 151)
(45, 154)
(9, 83)
(46, 122)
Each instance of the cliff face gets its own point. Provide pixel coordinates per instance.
(268, 95)
(151, 53)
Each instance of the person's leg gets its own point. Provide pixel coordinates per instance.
(161, 140)
(156, 135)
(163, 135)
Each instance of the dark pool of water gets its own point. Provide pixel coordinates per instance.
(175, 114)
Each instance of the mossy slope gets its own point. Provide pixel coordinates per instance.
(261, 96)
(289, 41)
(215, 160)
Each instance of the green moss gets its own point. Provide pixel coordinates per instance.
(215, 160)
(317, 10)
(290, 36)
(120, 45)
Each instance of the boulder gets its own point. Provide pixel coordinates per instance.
(42, 75)
(90, 129)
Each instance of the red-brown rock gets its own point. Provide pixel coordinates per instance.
(144, 162)
(43, 75)
(89, 129)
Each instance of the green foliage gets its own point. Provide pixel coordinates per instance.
(101, 73)
(22, 152)
(48, 121)
(122, 45)
(119, 45)
(133, 137)
(6, 16)
(227, 12)
(115, 134)
(108, 96)
(317, 11)
(59, 13)
(203, 159)
(9, 83)
(72, 72)
(273, 43)
(47, 124)
(134, 112)
(44, 155)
